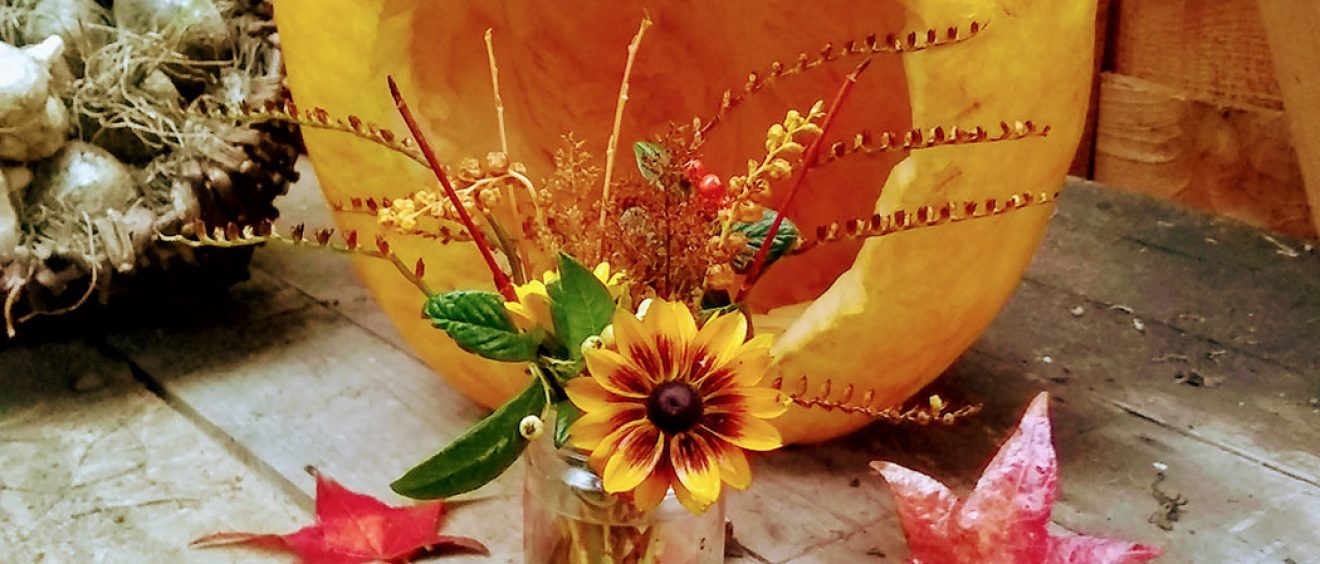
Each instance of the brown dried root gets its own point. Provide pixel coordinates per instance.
(824, 399)
(866, 143)
(233, 235)
(924, 216)
(893, 44)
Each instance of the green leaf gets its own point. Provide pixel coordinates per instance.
(478, 322)
(580, 305)
(785, 238)
(565, 414)
(709, 312)
(562, 370)
(483, 453)
(652, 160)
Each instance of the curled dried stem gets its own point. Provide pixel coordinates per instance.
(891, 44)
(867, 143)
(849, 401)
(316, 118)
(925, 216)
(232, 235)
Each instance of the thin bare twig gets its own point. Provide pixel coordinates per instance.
(613, 144)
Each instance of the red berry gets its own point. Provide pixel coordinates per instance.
(711, 186)
(695, 170)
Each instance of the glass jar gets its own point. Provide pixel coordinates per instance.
(568, 518)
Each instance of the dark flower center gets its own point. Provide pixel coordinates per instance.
(674, 407)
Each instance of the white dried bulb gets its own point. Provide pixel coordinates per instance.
(197, 25)
(84, 178)
(82, 24)
(34, 124)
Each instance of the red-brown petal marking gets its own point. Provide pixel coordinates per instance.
(591, 430)
(636, 457)
(743, 430)
(765, 403)
(616, 374)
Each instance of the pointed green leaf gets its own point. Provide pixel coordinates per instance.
(785, 238)
(580, 305)
(652, 160)
(565, 414)
(483, 453)
(478, 322)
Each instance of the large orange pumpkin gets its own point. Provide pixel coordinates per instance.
(889, 314)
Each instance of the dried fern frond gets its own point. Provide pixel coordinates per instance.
(233, 235)
(868, 143)
(849, 401)
(925, 216)
(314, 118)
(891, 44)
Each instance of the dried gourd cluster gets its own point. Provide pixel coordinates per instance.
(100, 153)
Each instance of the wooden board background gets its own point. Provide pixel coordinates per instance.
(1188, 108)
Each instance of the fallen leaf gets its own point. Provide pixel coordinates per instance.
(1006, 517)
(352, 528)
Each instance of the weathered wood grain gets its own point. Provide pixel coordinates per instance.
(308, 387)
(94, 468)
(1166, 142)
(1214, 50)
(1291, 28)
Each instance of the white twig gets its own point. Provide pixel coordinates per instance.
(495, 88)
(618, 123)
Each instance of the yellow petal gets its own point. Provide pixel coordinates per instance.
(629, 334)
(691, 503)
(721, 336)
(672, 320)
(588, 395)
(634, 460)
(765, 403)
(651, 492)
(751, 362)
(696, 466)
(617, 374)
(591, 429)
(734, 469)
(606, 448)
(743, 430)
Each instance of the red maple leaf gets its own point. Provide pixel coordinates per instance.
(1006, 517)
(352, 528)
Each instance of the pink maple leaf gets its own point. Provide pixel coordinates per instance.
(352, 528)
(1006, 517)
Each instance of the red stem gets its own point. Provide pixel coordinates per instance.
(809, 158)
(501, 279)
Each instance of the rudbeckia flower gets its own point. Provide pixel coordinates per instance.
(673, 406)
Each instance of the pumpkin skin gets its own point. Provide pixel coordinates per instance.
(888, 314)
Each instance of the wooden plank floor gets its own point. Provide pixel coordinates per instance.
(160, 421)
